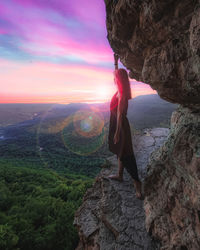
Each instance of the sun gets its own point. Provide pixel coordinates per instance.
(104, 92)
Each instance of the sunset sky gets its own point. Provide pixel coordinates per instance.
(56, 51)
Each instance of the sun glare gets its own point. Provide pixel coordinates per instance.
(104, 92)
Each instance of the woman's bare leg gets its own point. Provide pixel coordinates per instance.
(119, 176)
(138, 188)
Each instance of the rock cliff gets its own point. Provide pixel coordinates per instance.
(159, 43)
(172, 185)
(111, 217)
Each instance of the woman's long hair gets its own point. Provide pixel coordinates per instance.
(123, 82)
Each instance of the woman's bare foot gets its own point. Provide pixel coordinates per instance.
(116, 177)
(138, 188)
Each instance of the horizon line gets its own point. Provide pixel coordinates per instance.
(60, 103)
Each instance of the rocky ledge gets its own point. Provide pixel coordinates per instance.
(111, 217)
(159, 43)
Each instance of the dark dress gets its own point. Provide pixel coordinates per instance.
(123, 149)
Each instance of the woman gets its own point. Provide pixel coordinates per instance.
(119, 138)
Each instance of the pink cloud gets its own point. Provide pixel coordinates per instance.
(49, 31)
(41, 35)
(65, 83)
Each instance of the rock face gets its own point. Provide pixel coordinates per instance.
(159, 43)
(172, 185)
(111, 217)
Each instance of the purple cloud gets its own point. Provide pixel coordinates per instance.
(68, 28)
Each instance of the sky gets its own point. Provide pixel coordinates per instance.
(56, 51)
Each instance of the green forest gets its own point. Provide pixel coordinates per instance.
(40, 190)
(37, 208)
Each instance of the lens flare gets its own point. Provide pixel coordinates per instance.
(88, 123)
(84, 132)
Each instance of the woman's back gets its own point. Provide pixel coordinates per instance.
(114, 105)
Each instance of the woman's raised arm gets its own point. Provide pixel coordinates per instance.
(116, 58)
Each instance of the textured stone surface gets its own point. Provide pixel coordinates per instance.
(172, 185)
(111, 217)
(159, 42)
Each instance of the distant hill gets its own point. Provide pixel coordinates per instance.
(144, 111)
(11, 113)
(150, 111)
